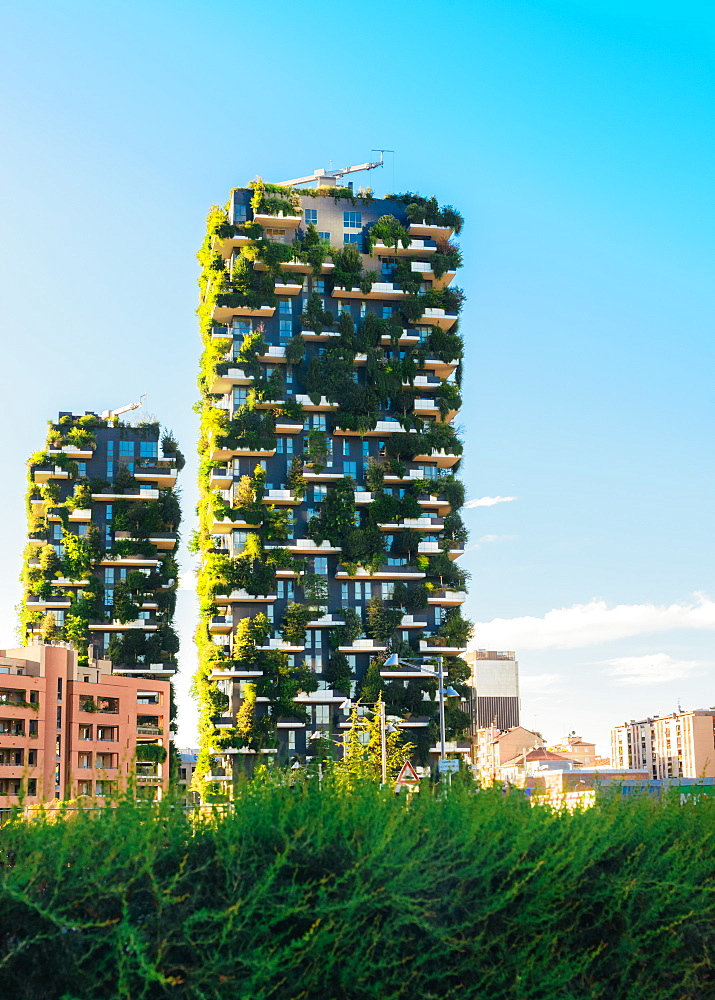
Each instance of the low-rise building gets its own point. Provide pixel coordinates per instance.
(527, 763)
(580, 751)
(188, 756)
(668, 746)
(493, 746)
(69, 730)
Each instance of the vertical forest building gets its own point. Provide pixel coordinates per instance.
(329, 513)
(99, 569)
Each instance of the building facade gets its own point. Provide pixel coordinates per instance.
(71, 729)
(580, 751)
(492, 747)
(329, 504)
(668, 746)
(99, 567)
(495, 689)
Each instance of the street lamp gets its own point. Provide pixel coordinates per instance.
(393, 660)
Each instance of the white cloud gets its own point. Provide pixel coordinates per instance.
(656, 668)
(584, 624)
(496, 538)
(487, 501)
(539, 684)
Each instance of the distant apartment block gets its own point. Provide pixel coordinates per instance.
(495, 684)
(69, 729)
(669, 746)
(580, 751)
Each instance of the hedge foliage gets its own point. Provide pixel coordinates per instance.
(309, 893)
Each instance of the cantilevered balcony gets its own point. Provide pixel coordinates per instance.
(221, 624)
(443, 369)
(73, 452)
(274, 354)
(278, 221)
(281, 498)
(230, 378)
(47, 603)
(160, 670)
(439, 456)
(425, 271)
(379, 290)
(437, 317)
(224, 314)
(305, 547)
(369, 646)
(384, 573)
(323, 404)
(415, 523)
(233, 671)
(141, 494)
(219, 453)
(312, 337)
(432, 646)
(221, 478)
(131, 562)
(44, 473)
(448, 598)
(426, 231)
(288, 288)
(243, 597)
(280, 646)
(417, 246)
(163, 477)
(227, 244)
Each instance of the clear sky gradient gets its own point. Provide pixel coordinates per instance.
(576, 137)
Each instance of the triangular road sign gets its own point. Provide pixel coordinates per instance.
(408, 775)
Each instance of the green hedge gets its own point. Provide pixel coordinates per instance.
(316, 893)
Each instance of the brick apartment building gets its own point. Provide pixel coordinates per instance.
(68, 730)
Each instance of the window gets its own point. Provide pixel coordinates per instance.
(108, 576)
(285, 329)
(110, 449)
(85, 732)
(363, 310)
(346, 447)
(366, 449)
(319, 493)
(57, 532)
(240, 396)
(324, 236)
(32, 758)
(352, 220)
(148, 449)
(397, 560)
(322, 715)
(344, 592)
(285, 307)
(33, 727)
(350, 469)
(318, 421)
(277, 235)
(387, 591)
(241, 328)
(320, 566)
(81, 469)
(352, 238)
(126, 449)
(107, 734)
(59, 718)
(59, 689)
(291, 740)
(386, 312)
(85, 760)
(289, 374)
(311, 216)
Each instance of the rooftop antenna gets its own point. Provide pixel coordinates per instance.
(108, 414)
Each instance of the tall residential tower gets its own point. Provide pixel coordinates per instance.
(329, 524)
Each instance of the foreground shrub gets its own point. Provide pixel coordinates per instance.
(310, 893)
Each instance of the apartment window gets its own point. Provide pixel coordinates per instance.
(324, 236)
(318, 422)
(239, 213)
(289, 375)
(387, 591)
(107, 734)
(110, 449)
(85, 760)
(386, 312)
(352, 238)
(126, 449)
(109, 596)
(59, 718)
(148, 449)
(291, 740)
(57, 532)
(85, 732)
(397, 560)
(346, 447)
(108, 576)
(32, 758)
(82, 530)
(84, 787)
(284, 446)
(322, 715)
(285, 329)
(277, 235)
(350, 469)
(240, 396)
(105, 788)
(352, 220)
(320, 566)
(311, 217)
(285, 307)
(110, 470)
(32, 728)
(81, 469)
(241, 328)
(344, 592)
(319, 493)
(319, 286)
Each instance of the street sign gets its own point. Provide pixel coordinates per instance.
(408, 775)
(447, 766)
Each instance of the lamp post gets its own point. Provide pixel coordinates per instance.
(393, 660)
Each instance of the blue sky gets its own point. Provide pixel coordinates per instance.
(576, 138)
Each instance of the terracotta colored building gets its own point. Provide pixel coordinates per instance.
(68, 730)
(580, 751)
(492, 747)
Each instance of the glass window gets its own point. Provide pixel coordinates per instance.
(126, 448)
(241, 327)
(344, 592)
(352, 238)
(148, 449)
(291, 740)
(285, 330)
(350, 469)
(366, 449)
(346, 446)
(324, 236)
(352, 220)
(386, 312)
(82, 530)
(319, 286)
(311, 216)
(363, 310)
(239, 213)
(240, 396)
(110, 470)
(320, 566)
(81, 468)
(285, 307)
(319, 493)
